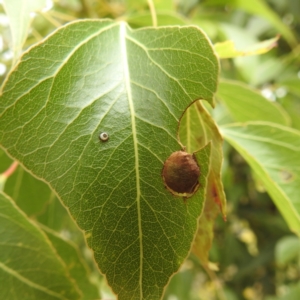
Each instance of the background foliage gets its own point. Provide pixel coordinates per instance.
(255, 252)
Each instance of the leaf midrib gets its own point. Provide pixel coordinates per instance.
(135, 144)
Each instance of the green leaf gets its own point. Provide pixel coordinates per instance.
(287, 249)
(77, 267)
(251, 68)
(35, 197)
(197, 128)
(292, 85)
(100, 76)
(163, 18)
(272, 151)
(5, 161)
(227, 49)
(291, 101)
(260, 8)
(18, 12)
(245, 104)
(56, 217)
(29, 193)
(29, 266)
(292, 292)
(164, 4)
(292, 105)
(181, 285)
(7, 166)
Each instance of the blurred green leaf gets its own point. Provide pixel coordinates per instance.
(5, 161)
(292, 85)
(227, 49)
(75, 264)
(164, 4)
(7, 168)
(245, 104)
(29, 266)
(35, 197)
(181, 284)
(143, 19)
(18, 12)
(100, 76)
(272, 151)
(290, 90)
(260, 8)
(208, 24)
(268, 69)
(255, 70)
(292, 105)
(56, 217)
(29, 193)
(287, 249)
(247, 66)
(291, 292)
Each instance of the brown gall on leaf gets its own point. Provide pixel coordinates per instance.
(180, 174)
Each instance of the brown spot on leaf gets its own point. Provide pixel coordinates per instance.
(180, 174)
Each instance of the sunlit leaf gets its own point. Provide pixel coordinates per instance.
(100, 76)
(228, 50)
(18, 12)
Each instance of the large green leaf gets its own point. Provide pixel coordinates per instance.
(29, 265)
(99, 76)
(273, 153)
